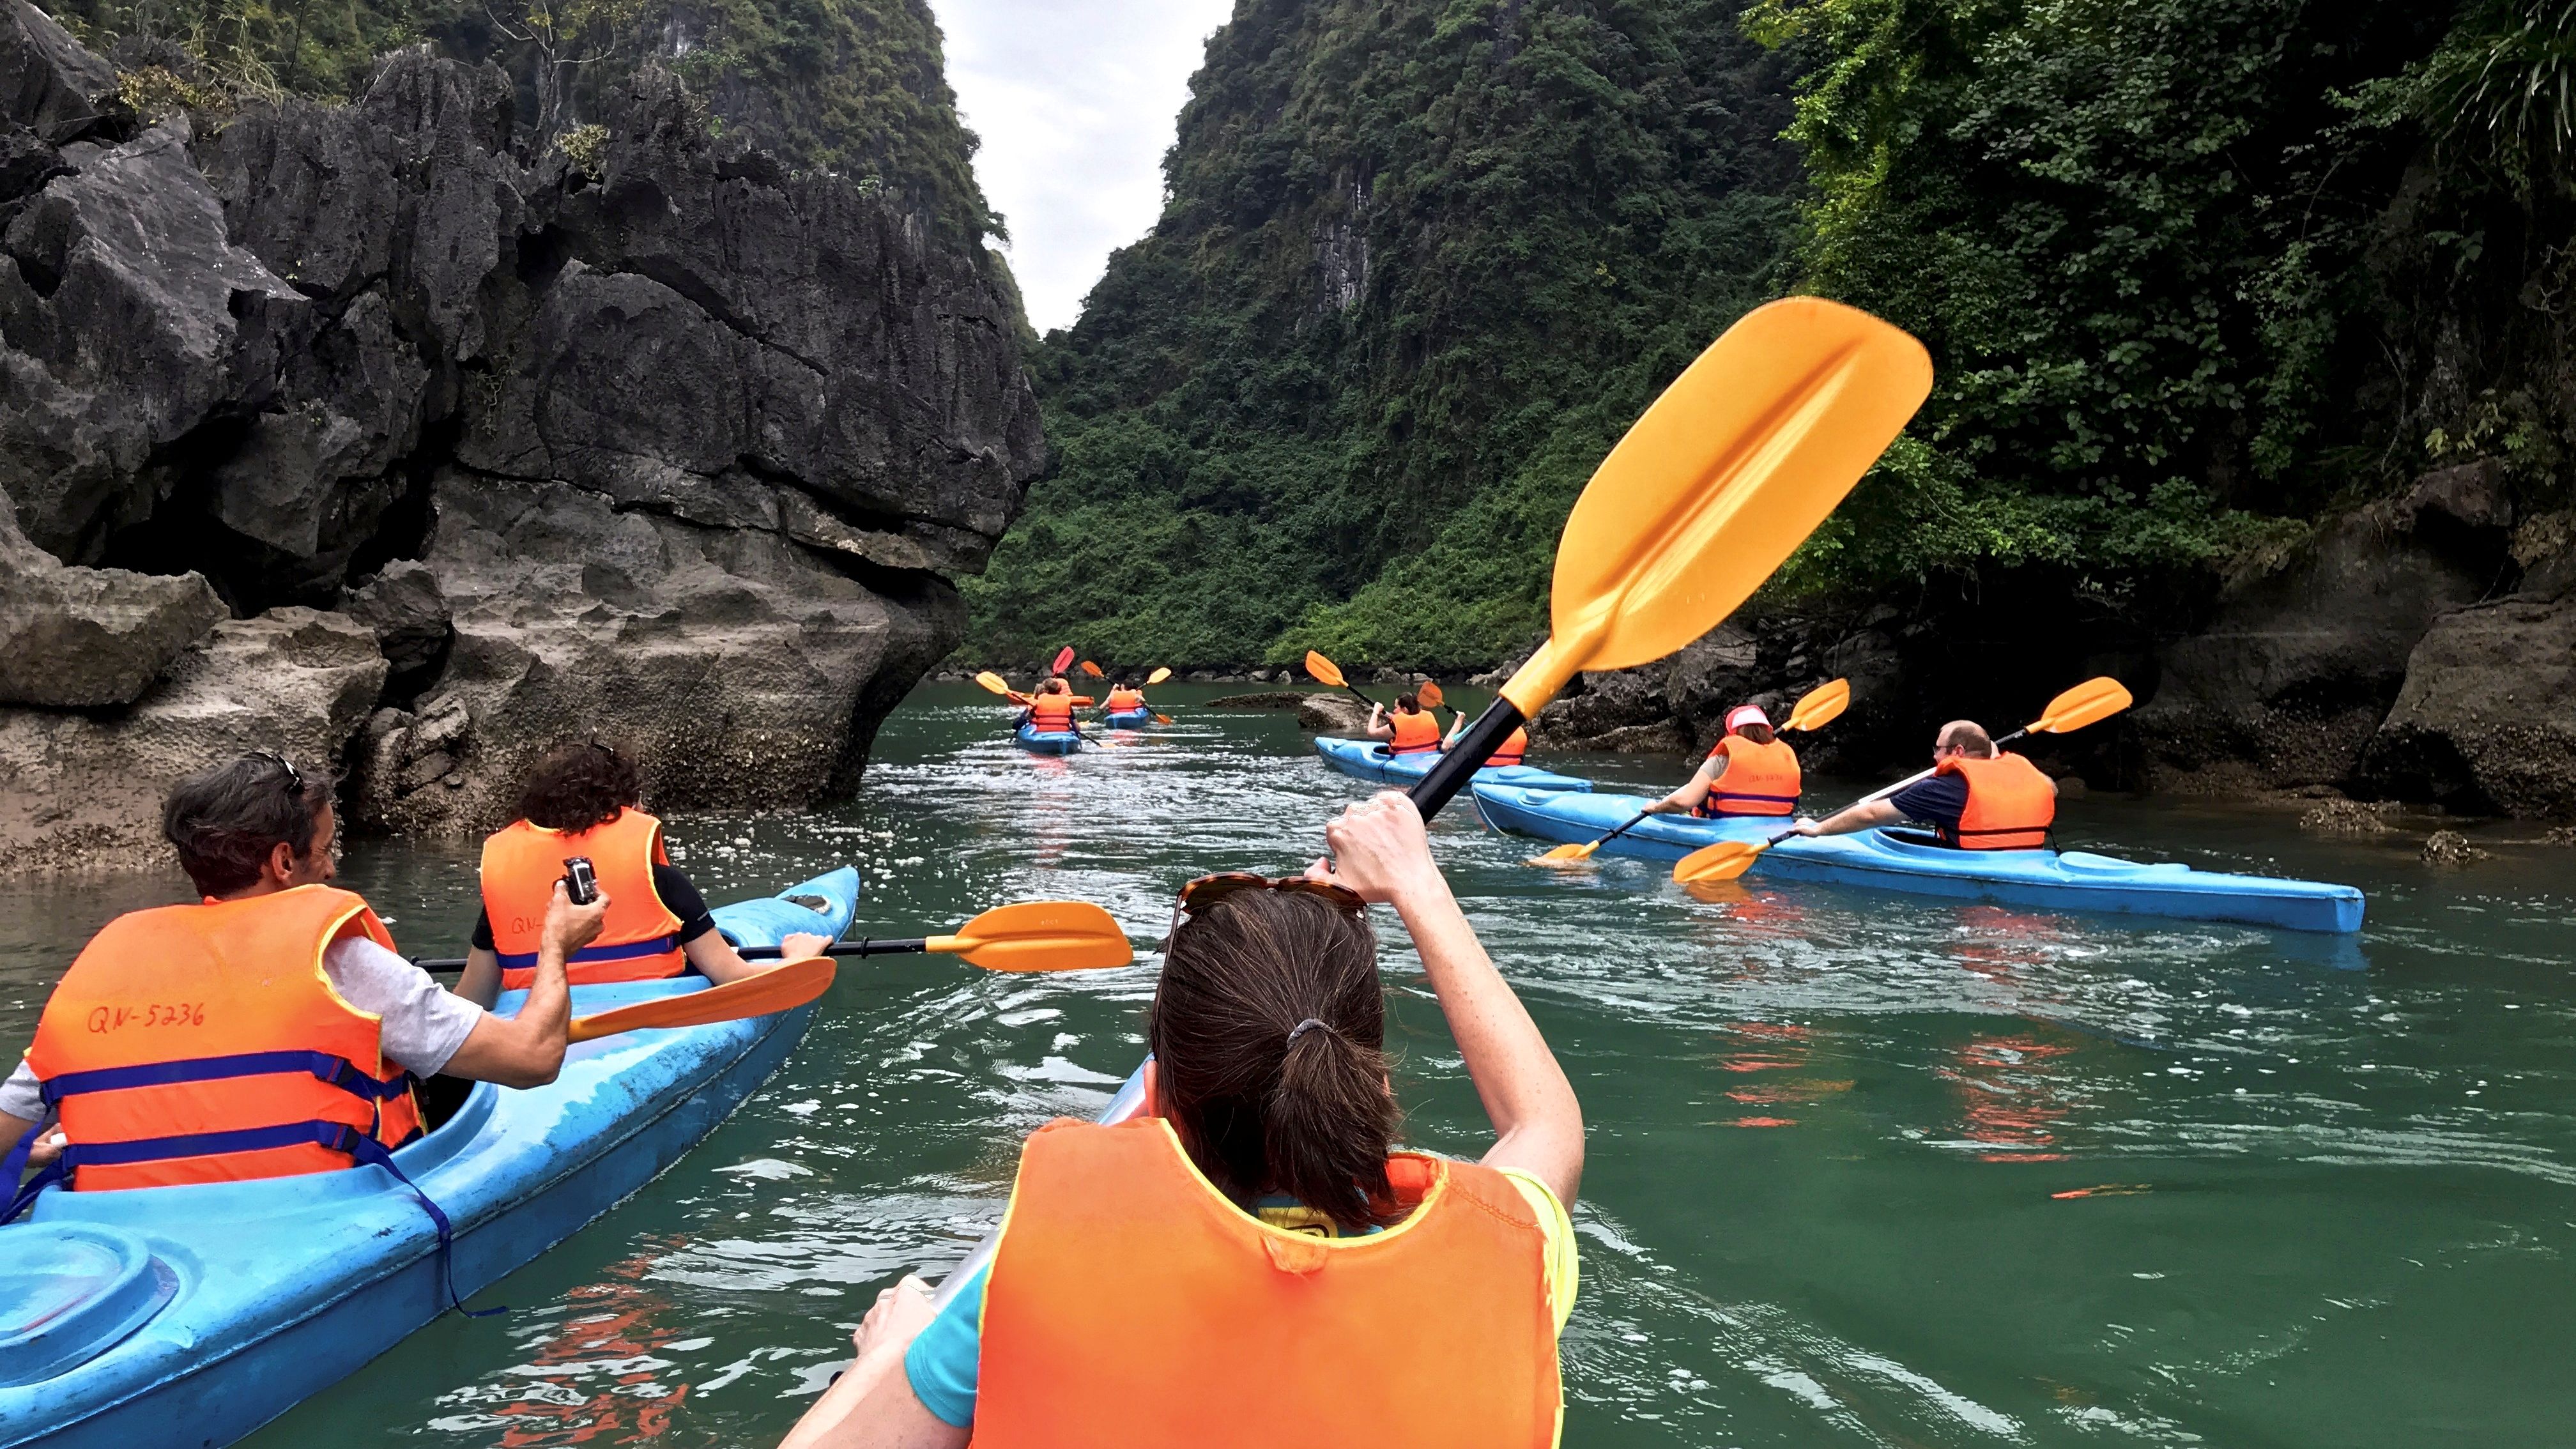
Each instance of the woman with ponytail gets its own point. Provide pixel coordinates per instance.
(1256, 1261)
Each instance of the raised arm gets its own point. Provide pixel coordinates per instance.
(1378, 728)
(527, 1050)
(1381, 851)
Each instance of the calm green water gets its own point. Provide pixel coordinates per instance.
(1864, 1170)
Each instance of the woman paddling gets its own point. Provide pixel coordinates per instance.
(1410, 730)
(1749, 772)
(1050, 710)
(584, 800)
(1257, 1261)
(1123, 698)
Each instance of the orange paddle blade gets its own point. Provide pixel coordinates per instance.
(1820, 706)
(1567, 854)
(779, 989)
(1159, 675)
(2092, 701)
(1324, 670)
(1040, 936)
(1723, 861)
(1093, 670)
(1429, 694)
(1063, 659)
(1723, 477)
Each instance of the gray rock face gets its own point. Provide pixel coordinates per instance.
(2487, 718)
(683, 452)
(86, 791)
(2292, 679)
(77, 638)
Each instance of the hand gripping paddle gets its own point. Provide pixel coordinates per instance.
(1815, 709)
(2088, 703)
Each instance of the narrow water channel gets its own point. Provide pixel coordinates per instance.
(1865, 1170)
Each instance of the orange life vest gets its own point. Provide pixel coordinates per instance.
(1759, 780)
(1414, 733)
(1514, 751)
(1125, 701)
(2010, 804)
(1131, 1305)
(1051, 713)
(192, 1044)
(640, 939)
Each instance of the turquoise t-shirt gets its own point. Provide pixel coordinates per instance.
(944, 1359)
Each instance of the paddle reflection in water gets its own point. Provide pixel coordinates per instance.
(597, 1374)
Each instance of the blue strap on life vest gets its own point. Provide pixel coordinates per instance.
(331, 1070)
(650, 946)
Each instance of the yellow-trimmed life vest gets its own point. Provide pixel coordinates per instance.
(204, 1043)
(1759, 779)
(1131, 1306)
(2011, 804)
(640, 939)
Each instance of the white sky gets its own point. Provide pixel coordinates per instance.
(1075, 101)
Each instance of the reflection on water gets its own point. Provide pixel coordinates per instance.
(1865, 1170)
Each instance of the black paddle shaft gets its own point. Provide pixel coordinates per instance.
(1462, 760)
(906, 946)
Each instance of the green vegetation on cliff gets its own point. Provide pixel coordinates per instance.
(1421, 263)
(852, 86)
(2192, 272)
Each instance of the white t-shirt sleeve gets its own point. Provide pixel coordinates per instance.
(424, 1022)
(21, 1098)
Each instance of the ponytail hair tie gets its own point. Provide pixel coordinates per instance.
(1303, 1027)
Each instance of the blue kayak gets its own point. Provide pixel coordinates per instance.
(163, 1315)
(1128, 719)
(1369, 760)
(1047, 742)
(2073, 880)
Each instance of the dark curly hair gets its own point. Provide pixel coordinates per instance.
(578, 786)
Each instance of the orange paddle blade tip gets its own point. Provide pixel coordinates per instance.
(1429, 694)
(1040, 936)
(1092, 669)
(1723, 861)
(1324, 670)
(1820, 706)
(1574, 854)
(2092, 701)
(781, 988)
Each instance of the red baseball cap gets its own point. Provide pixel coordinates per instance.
(1745, 714)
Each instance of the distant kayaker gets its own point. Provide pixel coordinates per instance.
(1749, 771)
(1410, 730)
(274, 1012)
(587, 800)
(1256, 1263)
(1976, 798)
(1050, 710)
(1123, 698)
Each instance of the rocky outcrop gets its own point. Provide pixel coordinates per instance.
(1324, 714)
(75, 637)
(666, 445)
(2486, 722)
(2306, 653)
(85, 790)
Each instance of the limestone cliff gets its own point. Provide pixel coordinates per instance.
(660, 444)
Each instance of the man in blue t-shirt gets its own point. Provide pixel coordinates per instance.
(1936, 799)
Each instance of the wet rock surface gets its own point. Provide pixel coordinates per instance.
(678, 448)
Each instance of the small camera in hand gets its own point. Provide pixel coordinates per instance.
(581, 883)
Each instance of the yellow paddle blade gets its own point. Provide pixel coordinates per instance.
(1324, 670)
(993, 682)
(1040, 936)
(1820, 706)
(1567, 854)
(1429, 696)
(1723, 861)
(1726, 473)
(2092, 701)
(781, 988)
(1093, 670)
(1158, 676)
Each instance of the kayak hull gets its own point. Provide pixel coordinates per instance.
(1368, 760)
(1877, 860)
(280, 1288)
(1046, 742)
(1128, 719)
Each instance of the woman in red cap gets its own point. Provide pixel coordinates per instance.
(1749, 771)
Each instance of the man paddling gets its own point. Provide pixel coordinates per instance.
(1976, 798)
(270, 1029)
(1749, 771)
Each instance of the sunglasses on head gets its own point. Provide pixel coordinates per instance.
(1207, 890)
(294, 777)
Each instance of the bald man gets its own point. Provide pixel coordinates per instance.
(1976, 798)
